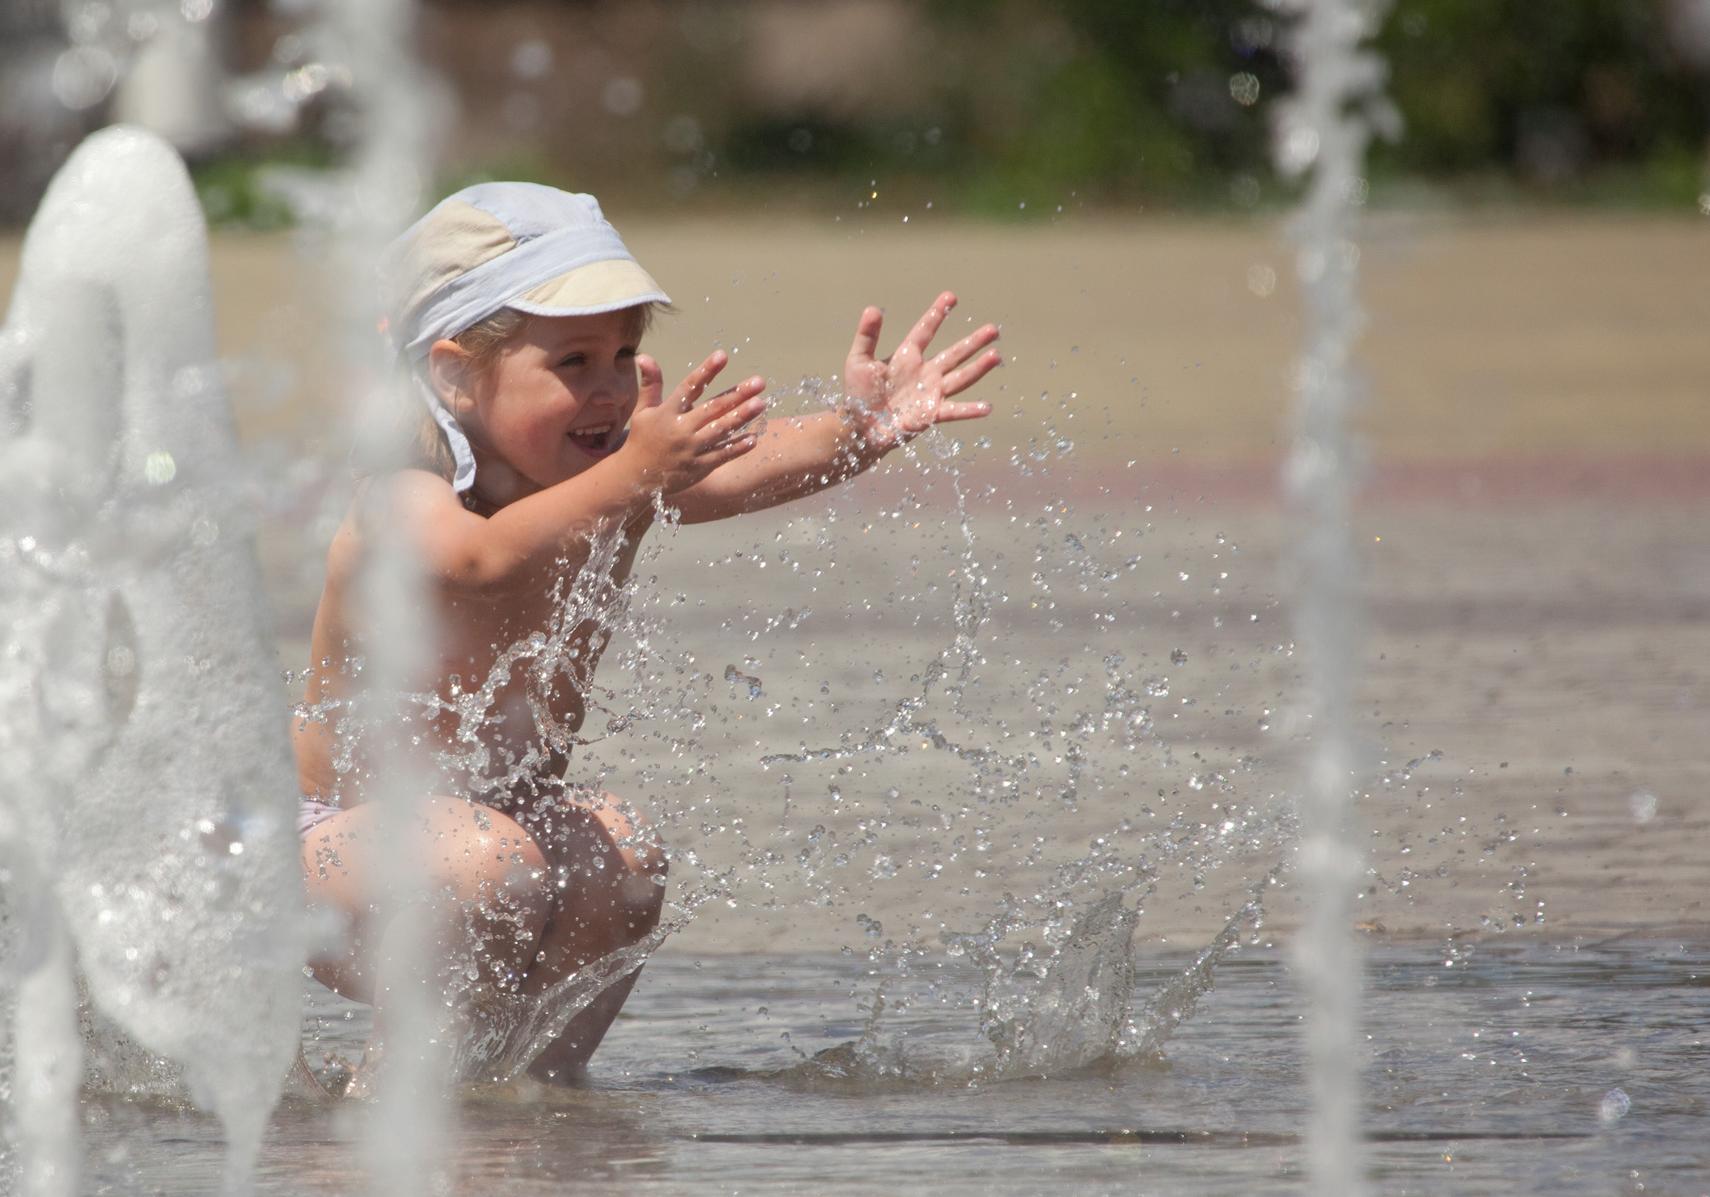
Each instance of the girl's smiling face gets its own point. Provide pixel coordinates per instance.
(555, 402)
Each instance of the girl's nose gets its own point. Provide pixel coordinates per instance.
(619, 389)
(600, 392)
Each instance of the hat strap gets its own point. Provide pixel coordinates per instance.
(461, 454)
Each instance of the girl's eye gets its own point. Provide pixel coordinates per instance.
(626, 353)
(575, 359)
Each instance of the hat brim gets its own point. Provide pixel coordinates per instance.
(591, 290)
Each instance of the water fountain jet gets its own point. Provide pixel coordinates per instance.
(147, 776)
(1322, 134)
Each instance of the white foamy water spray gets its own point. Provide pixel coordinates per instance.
(1322, 133)
(146, 787)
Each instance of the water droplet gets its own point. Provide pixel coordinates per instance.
(531, 59)
(159, 468)
(1613, 1107)
(1299, 149)
(82, 76)
(622, 96)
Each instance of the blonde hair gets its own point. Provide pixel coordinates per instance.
(413, 439)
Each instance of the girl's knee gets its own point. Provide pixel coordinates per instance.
(488, 867)
(478, 876)
(641, 895)
(631, 837)
(614, 863)
(641, 863)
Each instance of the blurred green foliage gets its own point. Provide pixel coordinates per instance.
(1127, 100)
(1022, 107)
(1471, 75)
(1117, 101)
(234, 187)
(1548, 94)
(1088, 100)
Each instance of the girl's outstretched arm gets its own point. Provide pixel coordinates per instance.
(672, 444)
(889, 401)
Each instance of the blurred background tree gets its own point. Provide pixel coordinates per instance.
(1557, 95)
(998, 106)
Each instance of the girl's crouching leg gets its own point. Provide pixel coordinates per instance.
(483, 889)
(467, 926)
(608, 870)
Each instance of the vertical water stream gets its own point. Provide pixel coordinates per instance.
(390, 163)
(1322, 135)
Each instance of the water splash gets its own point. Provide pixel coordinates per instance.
(1056, 966)
(512, 1031)
(1175, 1001)
(1065, 1002)
(1053, 1012)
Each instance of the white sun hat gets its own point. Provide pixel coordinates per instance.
(503, 245)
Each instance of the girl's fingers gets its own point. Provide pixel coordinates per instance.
(867, 334)
(716, 455)
(971, 409)
(695, 382)
(931, 320)
(652, 380)
(966, 348)
(725, 402)
(963, 377)
(734, 418)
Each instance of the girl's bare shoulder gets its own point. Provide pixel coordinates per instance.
(401, 492)
(402, 496)
(419, 509)
(406, 500)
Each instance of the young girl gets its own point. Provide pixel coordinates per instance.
(517, 314)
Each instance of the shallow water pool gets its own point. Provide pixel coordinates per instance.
(1497, 1067)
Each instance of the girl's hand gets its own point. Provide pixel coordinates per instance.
(895, 399)
(674, 443)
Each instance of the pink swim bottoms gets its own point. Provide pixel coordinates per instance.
(312, 813)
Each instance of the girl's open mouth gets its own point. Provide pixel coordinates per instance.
(596, 440)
